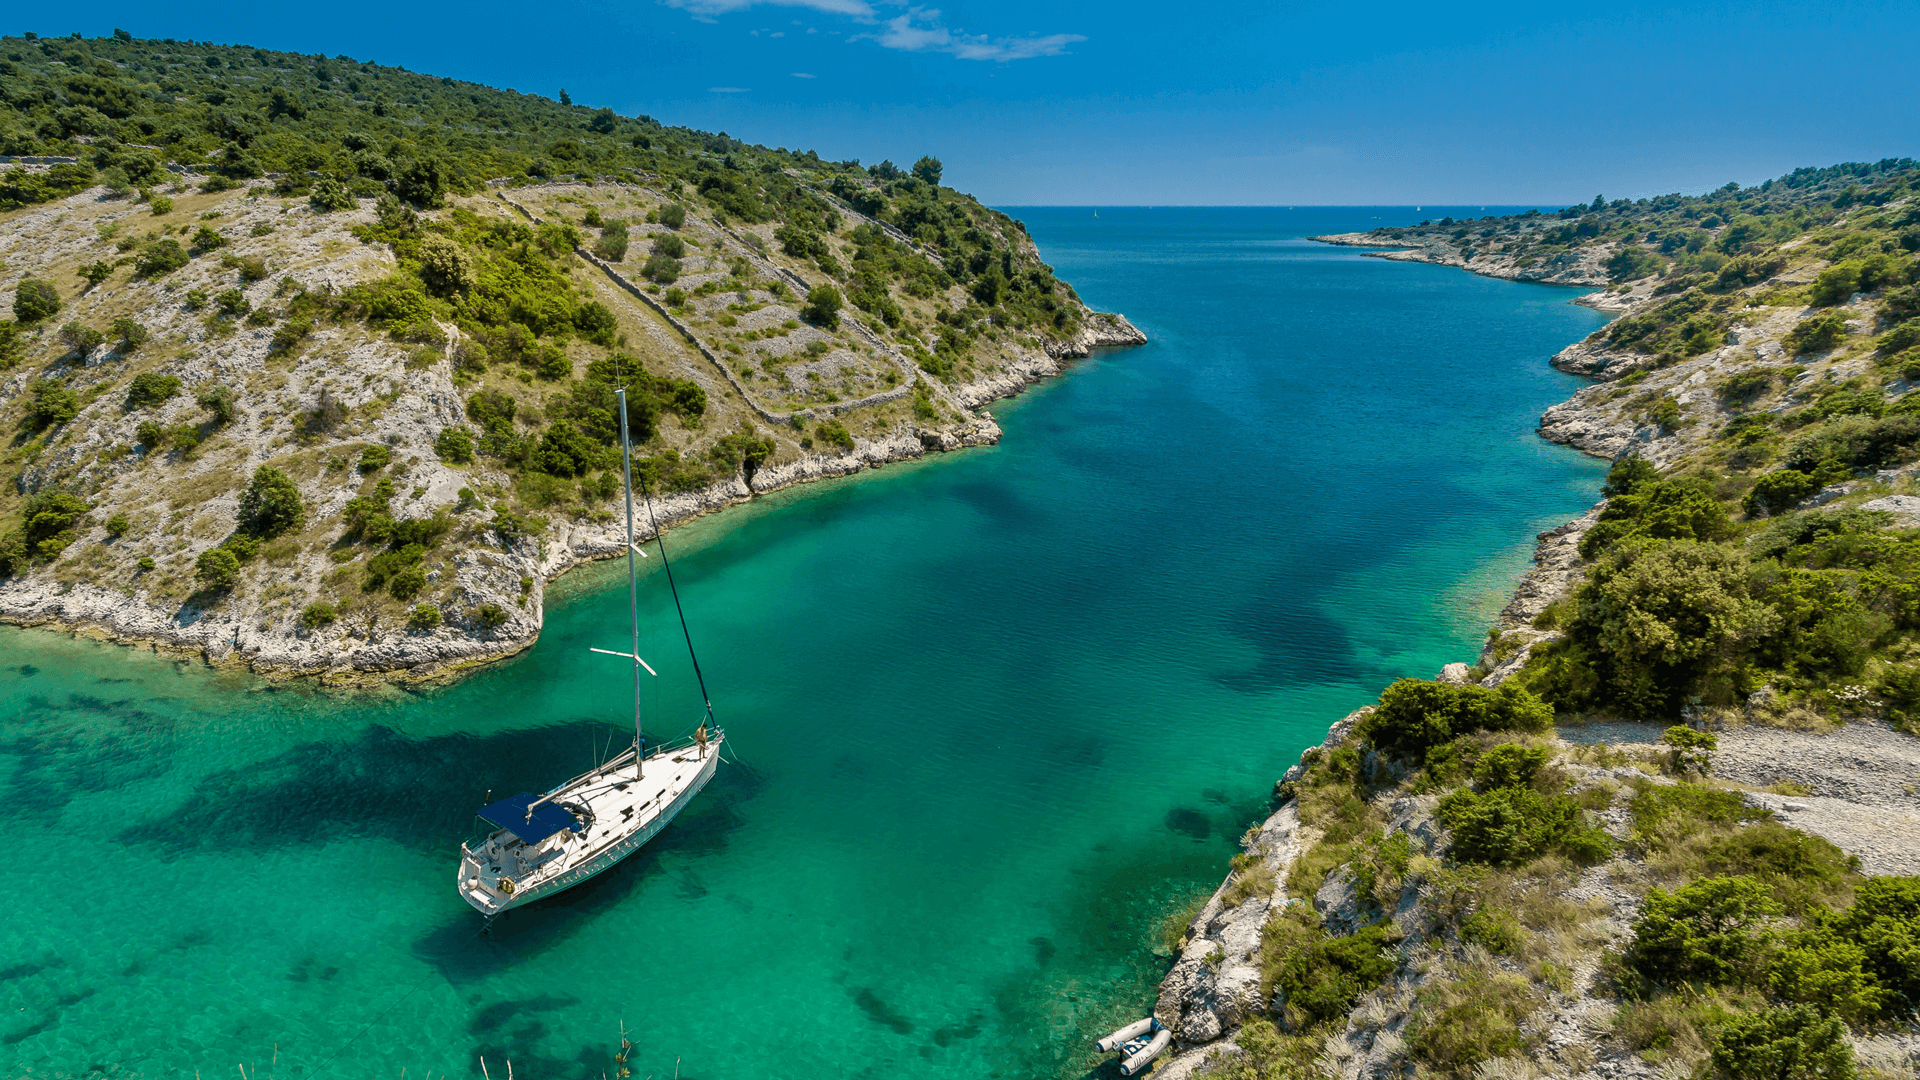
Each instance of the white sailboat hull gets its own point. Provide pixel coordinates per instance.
(622, 813)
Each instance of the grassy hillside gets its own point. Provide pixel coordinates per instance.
(328, 350)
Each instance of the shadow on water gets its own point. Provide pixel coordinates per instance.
(58, 758)
(379, 783)
(1296, 645)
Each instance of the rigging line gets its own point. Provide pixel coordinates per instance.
(660, 541)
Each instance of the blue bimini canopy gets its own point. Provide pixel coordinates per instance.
(511, 815)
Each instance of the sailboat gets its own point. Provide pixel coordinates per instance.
(542, 845)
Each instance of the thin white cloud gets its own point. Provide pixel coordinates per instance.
(728, 89)
(919, 30)
(858, 9)
(803, 75)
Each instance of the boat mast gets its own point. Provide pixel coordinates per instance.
(633, 582)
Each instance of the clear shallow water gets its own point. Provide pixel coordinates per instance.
(998, 713)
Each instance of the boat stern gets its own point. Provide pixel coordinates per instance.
(479, 887)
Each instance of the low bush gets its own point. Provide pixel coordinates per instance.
(1780, 490)
(823, 306)
(1782, 1044)
(1509, 826)
(160, 257)
(1713, 931)
(35, 300)
(423, 617)
(1415, 715)
(1689, 751)
(454, 446)
(151, 388)
(1316, 978)
(319, 614)
(271, 504)
(217, 569)
(1816, 334)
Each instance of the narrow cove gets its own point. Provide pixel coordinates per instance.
(998, 713)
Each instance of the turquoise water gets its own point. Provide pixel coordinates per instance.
(997, 714)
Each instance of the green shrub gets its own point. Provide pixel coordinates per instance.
(373, 459)
(455, 446)
(1782, 1044)
(81, 339)
(130, 335)
(1885, 919)
(1495, 930)
(595, 323)
(331, 194)
(490, 615)
(673, 215)
(271, 504)
(160, 204)
(160, 257)
(1632, 263)
(1655, 621)
(53, 403)
(1687, 806)
(318, 614)
(205, 239)
(1806, 873)
(670, 245)
(1658, 509)
(1321, 982)
(50, 521)
(1415, 715)
(423, 617)
(822, 307)
(663, 269)
(1780, 490)
(834, 433)
(151, 388)
(1511, 826)
(96, 272)
(1816, 334)
(1744, 386)
(221, 404)
(217, 569)
(446, 267)
(117, 526)
(1690, 751)
(1821, 968)
(1835, 285)
(1712, 931)
(1510, 765)
(35, 300)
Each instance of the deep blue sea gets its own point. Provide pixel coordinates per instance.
(997, 714)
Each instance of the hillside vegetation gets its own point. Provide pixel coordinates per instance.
(1449, 889)
(313, 361)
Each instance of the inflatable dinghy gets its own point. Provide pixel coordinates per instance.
(1138, 1044)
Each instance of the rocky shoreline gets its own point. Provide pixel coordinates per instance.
(411, 658)
(1214, 983)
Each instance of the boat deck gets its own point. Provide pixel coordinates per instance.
(619, 811)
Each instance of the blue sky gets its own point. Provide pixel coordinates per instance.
(1126, 102)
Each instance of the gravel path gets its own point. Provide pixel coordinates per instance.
(1863, 778)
